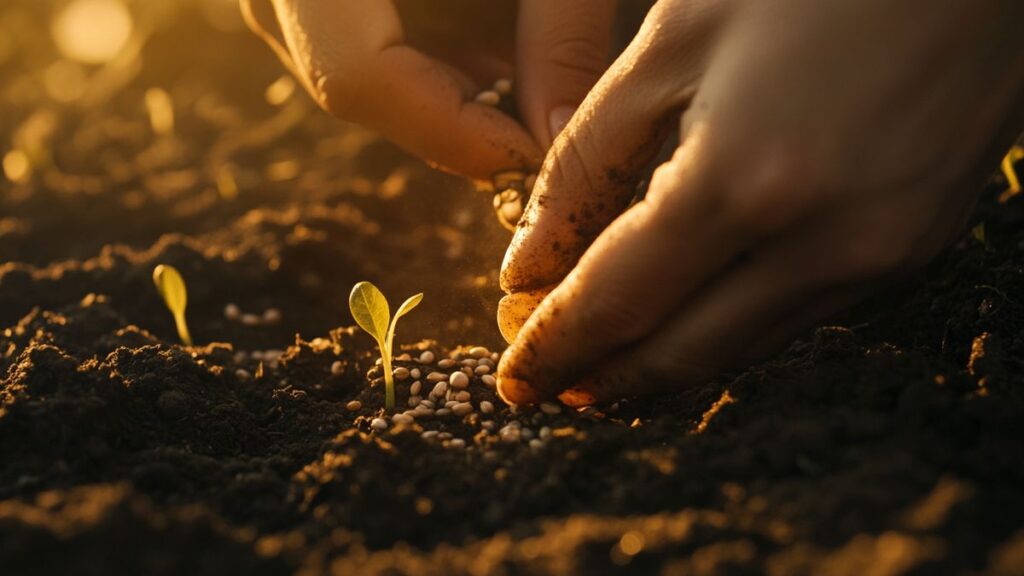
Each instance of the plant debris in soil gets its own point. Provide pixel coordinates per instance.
(887, 443)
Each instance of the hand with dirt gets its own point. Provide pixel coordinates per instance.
(411, 69)
(825, 147)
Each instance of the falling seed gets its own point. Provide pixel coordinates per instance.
(426, 357)
(379, 424)
(251, 320)
(488, 98)
(242, 374)
(457, 443)
(415, 388)
(488, 380)
(458, 380)
(482, 369)
(400, 373)
(232, 312)
(337, 368)
(272, 316)
(439, 389)
(462, 408)
(503, 86)
(550, 408)
(486, 407)
(446, 363)
(354, 406)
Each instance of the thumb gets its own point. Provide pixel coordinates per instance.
(563, 48)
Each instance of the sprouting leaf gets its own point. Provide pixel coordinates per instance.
(405, 308)
(171, 287)
(979, 233)
(370, 309)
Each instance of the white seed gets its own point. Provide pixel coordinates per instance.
(495, 357)
(414, 401)
(415, 373)
(402, 419)
(444, 436)
(463, 396)
(462, 408)
(536, 444)
(251, 320)
(354, 406)
(232, 312)
(415, 388)
(458, 380)
(427, 403)
(439, 389)
(422, 411)
(526, 433)
(429, 434)
(426, 357)
(437, 377)
(400, 373)
(482, 369)
(403, 358)
(242, 374)
(488, 98)
(446, 363)
(379, 424)
(337, 368)
(550, 408)
(486, 407)
(479, 352)
(488, 380)
(471, 362)
(442, 412)
(545, 433)
(503, 86)
(458, 443)
(271, 315)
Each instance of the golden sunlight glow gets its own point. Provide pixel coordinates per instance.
(17, 167)
(92, 31)
(161, 111)
(280, 91)
(65, 81)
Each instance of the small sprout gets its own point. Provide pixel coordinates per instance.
(370, 309)
(171, 287)
(1016, 153)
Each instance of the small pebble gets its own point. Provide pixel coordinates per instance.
(251, 320)
(402, 419)
(415, 373)
(486, 407)
(354, 406)
(463, 396)
(426, 357)
(479, 352)
(458, 443)
(488, 380)
(442, 412)
(459, 380)
(439, 389)
(550, 408)
(437, 377)
(488, 98)
(446, 363)
(415, 388)
(379, 424)
(232, 312)
(242, 374)
(536, 444)
(337, 368)
(482, 369)
(503, 86)
(400, 373)
(271, 315)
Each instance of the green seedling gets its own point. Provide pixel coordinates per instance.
(370, 309)
(171, 287)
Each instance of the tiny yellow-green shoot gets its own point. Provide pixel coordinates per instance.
(370, 309)
(171, 287)
(1016, 153)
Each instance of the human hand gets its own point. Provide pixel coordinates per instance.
(828, 146)
(411, 70)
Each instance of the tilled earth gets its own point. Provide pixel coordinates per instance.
(889, 443)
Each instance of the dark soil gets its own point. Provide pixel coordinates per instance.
(890, 443)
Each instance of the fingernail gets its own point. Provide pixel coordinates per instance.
(559, 118)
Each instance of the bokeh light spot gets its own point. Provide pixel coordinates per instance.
(17, 167)
(92, 31)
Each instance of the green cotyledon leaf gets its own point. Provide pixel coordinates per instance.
(405, 308)
(171, 287)
(370, 309)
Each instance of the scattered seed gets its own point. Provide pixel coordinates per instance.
(526, 433)
(446, 363)
(400, 373)
(550, 408)
(427, 403)
(482, 369)
(488, 98)
(503, 86)
(354, 406)
(470, 362)
(536, 444)
(240, 357)
(479, 352)
(403, 358)
(251, 320)
(488, 380)
(437, 377)
(495, 357)
(487, 424)
(458, 443)
(242, 374)
(486, 407)
(459, 380)
(415, 373)
(272, 316)
(429, 434)
(402, 419)
(509, 435)
(545, 433)
(415, 388)
(426, 357)
(450, 403)
(337, 368)
(422, 411)
(232, 312)
(463, 396)
(379, 424)
(414, 401)
(442, 412)
(486, 362)
(439, 389)
(444, 436)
